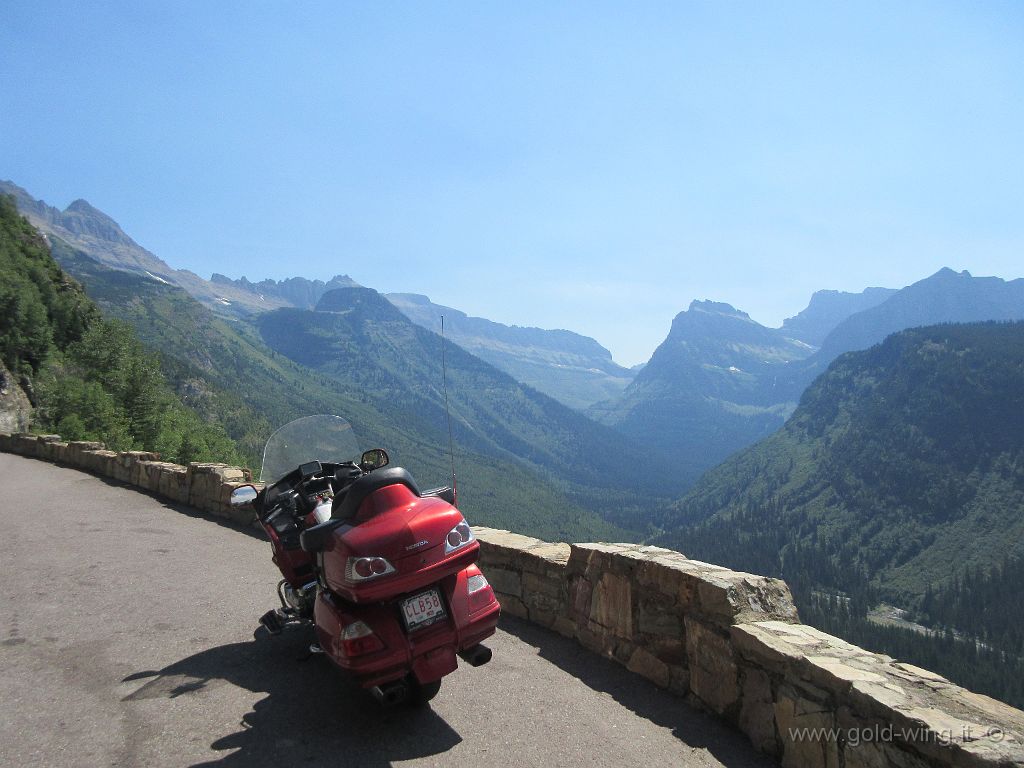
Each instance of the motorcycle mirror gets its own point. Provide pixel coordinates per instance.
(242, 495)
(374, 459)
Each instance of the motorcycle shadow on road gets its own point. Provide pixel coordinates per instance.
(311, 714)
(691, 726)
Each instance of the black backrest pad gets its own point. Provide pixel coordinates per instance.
(367, 484)
(314, 539)
(445, 492)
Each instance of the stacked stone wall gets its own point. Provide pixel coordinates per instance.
(732, 643)
(727, 641)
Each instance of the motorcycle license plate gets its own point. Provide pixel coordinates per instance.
(422, 609)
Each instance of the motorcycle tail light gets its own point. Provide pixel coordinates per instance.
(357, 639)
(480, 592)
(458, 537)
(476, 583)
(362, 568)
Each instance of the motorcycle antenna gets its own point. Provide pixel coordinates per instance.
(447, 412)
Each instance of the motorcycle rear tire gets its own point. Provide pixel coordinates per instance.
(422, 693)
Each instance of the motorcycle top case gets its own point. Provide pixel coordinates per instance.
(410, 532)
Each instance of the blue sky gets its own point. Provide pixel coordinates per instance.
(591, 166)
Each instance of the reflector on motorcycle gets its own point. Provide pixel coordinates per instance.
(358, 639)
(480, 592)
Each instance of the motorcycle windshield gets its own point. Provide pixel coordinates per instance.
(312, 438)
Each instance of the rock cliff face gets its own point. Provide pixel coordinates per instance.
(827, 309)
(15, 408)
(84, 220)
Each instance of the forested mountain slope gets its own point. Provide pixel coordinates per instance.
(225, 370)
(357, 336)
(900, 477)
(88, 378)
(898, 458)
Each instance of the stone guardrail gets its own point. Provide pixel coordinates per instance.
(726, 641)
(205, 486)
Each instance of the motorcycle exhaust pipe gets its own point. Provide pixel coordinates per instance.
(476, 656)
(390, 694)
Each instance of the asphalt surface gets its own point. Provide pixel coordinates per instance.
(127, 639)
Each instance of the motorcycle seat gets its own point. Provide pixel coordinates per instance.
(346, 505)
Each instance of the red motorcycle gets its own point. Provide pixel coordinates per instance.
(383, 571)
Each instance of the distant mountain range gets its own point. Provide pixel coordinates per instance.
(571, 368)
(294, 291)
(945, 297)
(720, 381)
(703, 394)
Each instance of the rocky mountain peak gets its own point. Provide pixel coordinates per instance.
(356, 297)
(950, 274)
(81, 218)
(717, 308)
(827, 309)
(706, 318)
(84, 206)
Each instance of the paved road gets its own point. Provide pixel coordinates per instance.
(126, 639)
